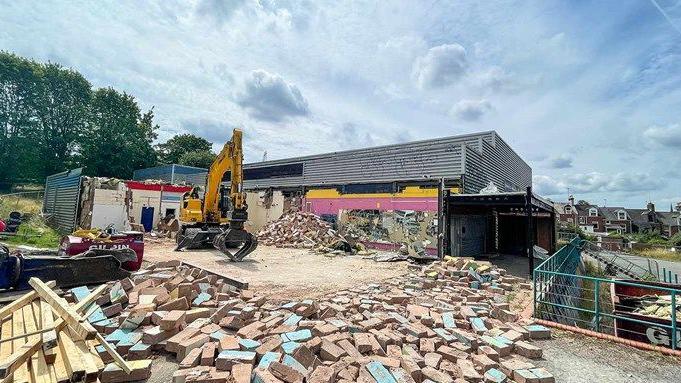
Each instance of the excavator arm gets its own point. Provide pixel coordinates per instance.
(210, 222)
(230, 159)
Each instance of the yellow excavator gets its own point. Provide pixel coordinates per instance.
(217, 220)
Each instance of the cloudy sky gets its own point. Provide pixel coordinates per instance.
(588, 93)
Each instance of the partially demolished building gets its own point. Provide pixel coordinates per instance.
(388, 195)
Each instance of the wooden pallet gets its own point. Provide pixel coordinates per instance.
(43, 339)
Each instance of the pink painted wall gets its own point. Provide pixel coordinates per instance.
(333, 205)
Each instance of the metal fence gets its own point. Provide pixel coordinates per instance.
(61, 199)
(635, 310)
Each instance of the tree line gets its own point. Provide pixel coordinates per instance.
(52, 119)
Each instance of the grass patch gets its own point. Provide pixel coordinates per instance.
(33, 232)
(660, 253)
(10, 203)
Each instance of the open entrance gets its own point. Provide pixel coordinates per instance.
(498, 225)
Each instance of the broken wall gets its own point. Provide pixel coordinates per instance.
(409, 231)
(103, 202)
(264, 207)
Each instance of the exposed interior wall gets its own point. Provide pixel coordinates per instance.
(103, 201)
(109, 208)
(410, 230)
(264, 207)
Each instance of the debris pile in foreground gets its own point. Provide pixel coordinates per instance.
(300, 230)
(44, 339)
(446, 322)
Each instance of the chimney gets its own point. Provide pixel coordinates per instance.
(651, 207)
(571, 200)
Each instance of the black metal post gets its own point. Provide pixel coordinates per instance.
(530, 229)
(440, 218)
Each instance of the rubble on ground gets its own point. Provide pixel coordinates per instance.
(446, 322)
(303, 230)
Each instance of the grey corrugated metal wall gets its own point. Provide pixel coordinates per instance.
(438, 158)
(62, 196)
(495, 162)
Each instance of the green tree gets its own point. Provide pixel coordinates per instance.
(172, 150)
(119, 138)
(17, 123)
(61, 106)
(198, 158)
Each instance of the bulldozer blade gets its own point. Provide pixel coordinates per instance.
(244, 240)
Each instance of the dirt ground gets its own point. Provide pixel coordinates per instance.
(574, 358)
(294, 273)
(285, 273)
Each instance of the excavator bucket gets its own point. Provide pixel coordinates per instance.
(235, 239)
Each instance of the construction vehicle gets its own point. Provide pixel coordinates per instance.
(217, 220)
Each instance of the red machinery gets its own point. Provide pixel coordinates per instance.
(73, 245)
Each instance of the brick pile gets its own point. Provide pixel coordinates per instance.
(446, 322)
(299, 230)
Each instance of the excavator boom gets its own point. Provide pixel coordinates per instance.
(218, 219)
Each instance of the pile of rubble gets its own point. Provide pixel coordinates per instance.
(447, 322)
(300, 230)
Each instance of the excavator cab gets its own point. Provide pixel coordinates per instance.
(217, 219)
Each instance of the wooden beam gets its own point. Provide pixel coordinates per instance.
(72, 361)
(18, 360)
(21, 371)
(22, 301)
(59, 324)
(82, 327)
(36, 332)
(60, 373)
(91, 370)
(116, 356)
(49, 337)
(5, 332)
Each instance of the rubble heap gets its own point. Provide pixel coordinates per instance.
(447, 322)
(300, 230)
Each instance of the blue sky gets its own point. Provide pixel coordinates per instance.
(588, 93)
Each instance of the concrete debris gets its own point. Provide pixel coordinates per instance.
(446, 322)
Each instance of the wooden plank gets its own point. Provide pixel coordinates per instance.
(112, 351)
(39, 371)
(17, 362)
(60, 373)
(50, 337)
(91, 370)
(59, 324)
(72, 361)
(5, 333)
(21, 372)
(83, 328)
(21, 301)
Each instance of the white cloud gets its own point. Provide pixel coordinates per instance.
(441, 66)
(471, 110)
(560, 162)
(269, 97)
(596, 182)
(669, 135)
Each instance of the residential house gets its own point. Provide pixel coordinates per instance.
(596, 219)
(586, 216)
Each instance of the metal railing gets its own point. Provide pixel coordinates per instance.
(620, 262)
(565, 294)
